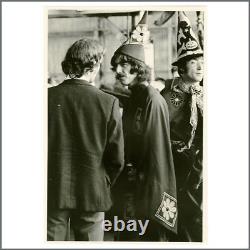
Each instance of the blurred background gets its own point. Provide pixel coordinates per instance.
(111, 28)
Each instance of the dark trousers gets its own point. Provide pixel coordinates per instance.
(86, 226)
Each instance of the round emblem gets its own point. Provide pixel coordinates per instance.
(176, 99)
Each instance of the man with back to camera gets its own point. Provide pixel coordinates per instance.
(184, 96)
(85, 147)
(146, 189)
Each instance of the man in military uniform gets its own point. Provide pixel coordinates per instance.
(184, 96)
(146, 189)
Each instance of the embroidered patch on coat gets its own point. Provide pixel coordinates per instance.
(167, 211)
(176, 99)
(137, 125)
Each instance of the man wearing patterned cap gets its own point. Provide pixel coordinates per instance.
(146, 189)
(184, 96)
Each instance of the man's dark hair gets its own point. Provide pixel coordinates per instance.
(182, 67)
(85, 53)
(143, 71)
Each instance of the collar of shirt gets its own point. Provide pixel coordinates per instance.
(78, 81)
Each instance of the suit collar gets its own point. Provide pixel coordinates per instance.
(77, 81)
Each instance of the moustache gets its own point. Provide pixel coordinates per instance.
(118, 76)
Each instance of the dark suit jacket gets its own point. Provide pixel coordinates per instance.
(85, 146)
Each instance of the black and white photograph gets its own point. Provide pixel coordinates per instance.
(125, 125)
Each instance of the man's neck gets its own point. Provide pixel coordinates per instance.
(188, 82)
(87, 79)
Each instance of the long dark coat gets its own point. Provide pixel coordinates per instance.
(85, 146)
(188, 164)
(148, 150)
